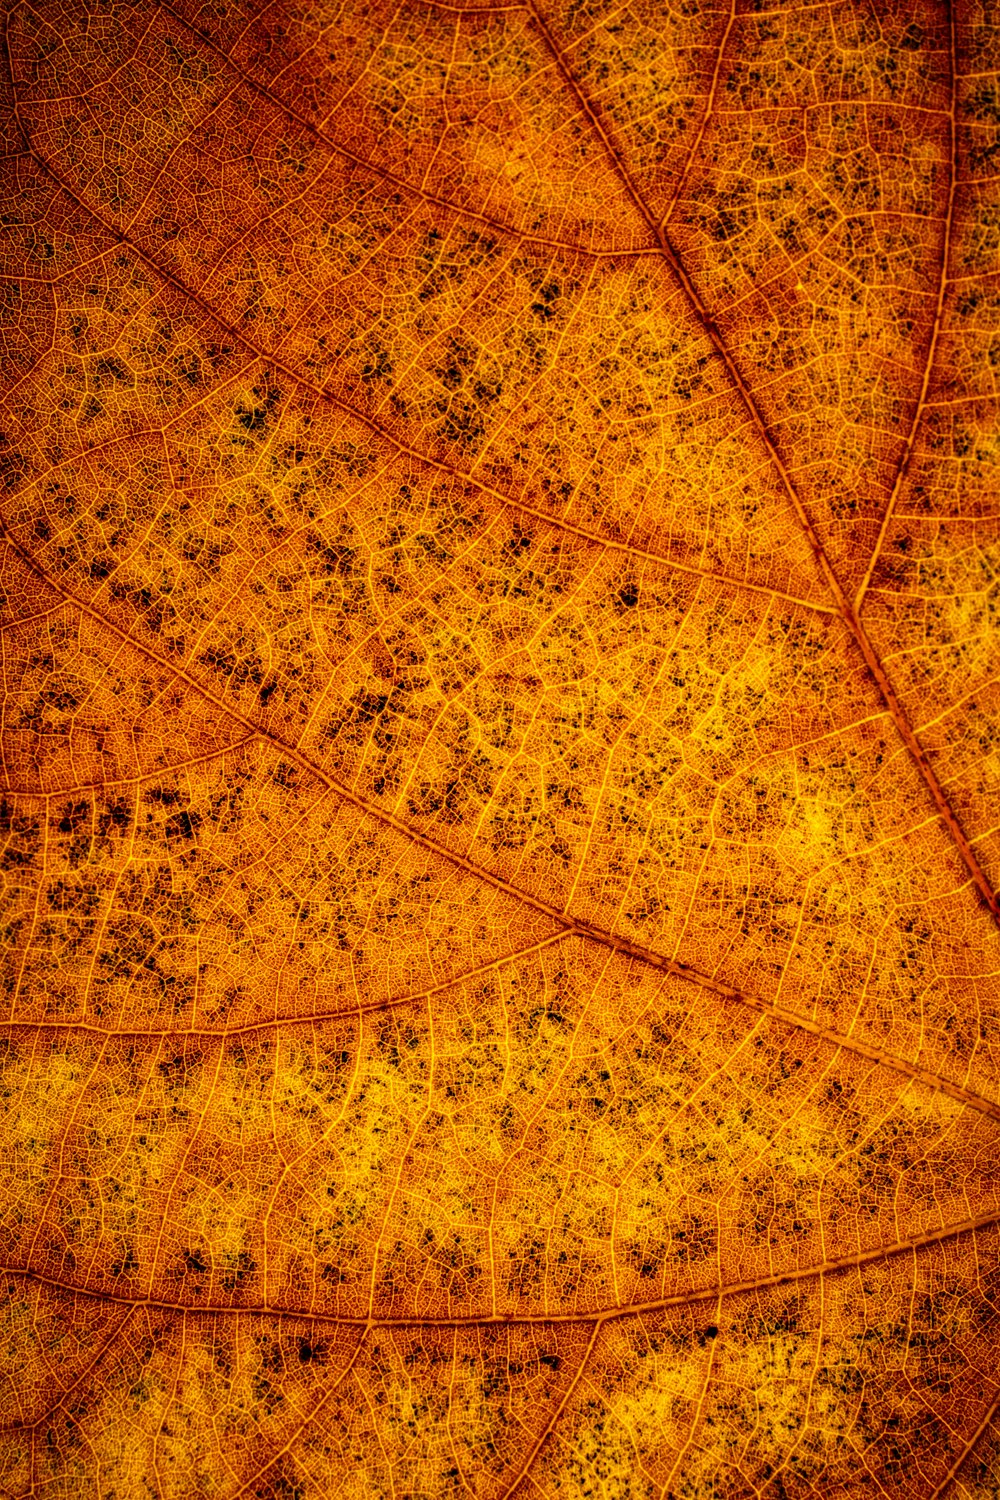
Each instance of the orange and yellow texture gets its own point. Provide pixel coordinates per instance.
(501, 751)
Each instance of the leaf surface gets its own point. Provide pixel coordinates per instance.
(500, 755)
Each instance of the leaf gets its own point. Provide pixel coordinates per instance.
(500, 751)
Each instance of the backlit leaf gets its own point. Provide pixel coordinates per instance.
(500, 694)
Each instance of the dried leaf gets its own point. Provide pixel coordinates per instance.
(500, 535)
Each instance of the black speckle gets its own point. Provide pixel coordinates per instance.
(310, 1349)
(74, 814)
(252, 420)
(182, 825)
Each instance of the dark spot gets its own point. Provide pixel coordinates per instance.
(629, 596)
(126, 1266)
(242, 1266)
(370, 706)
(164, 795)
(175, 1070)
(252, 420)
(73, 815)
(182, 825)
(378, 368)
(311, 1350)
(111, 368)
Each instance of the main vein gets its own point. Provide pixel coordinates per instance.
(845, 607)
(709, 1292)
(568, 924)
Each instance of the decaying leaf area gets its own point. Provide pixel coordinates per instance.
(500, 829)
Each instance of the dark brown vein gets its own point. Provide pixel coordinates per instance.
(320, 393)
(614, 941)
(584, 1318)
(298, 1429)
(88, 1369)
(902, 467)
(552, 1421)
(570, 925)
(714, 333)
(706, 116)
(849, 612)
(967, 1449)
(307, 1018)
(169, 768)
(460, 211)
